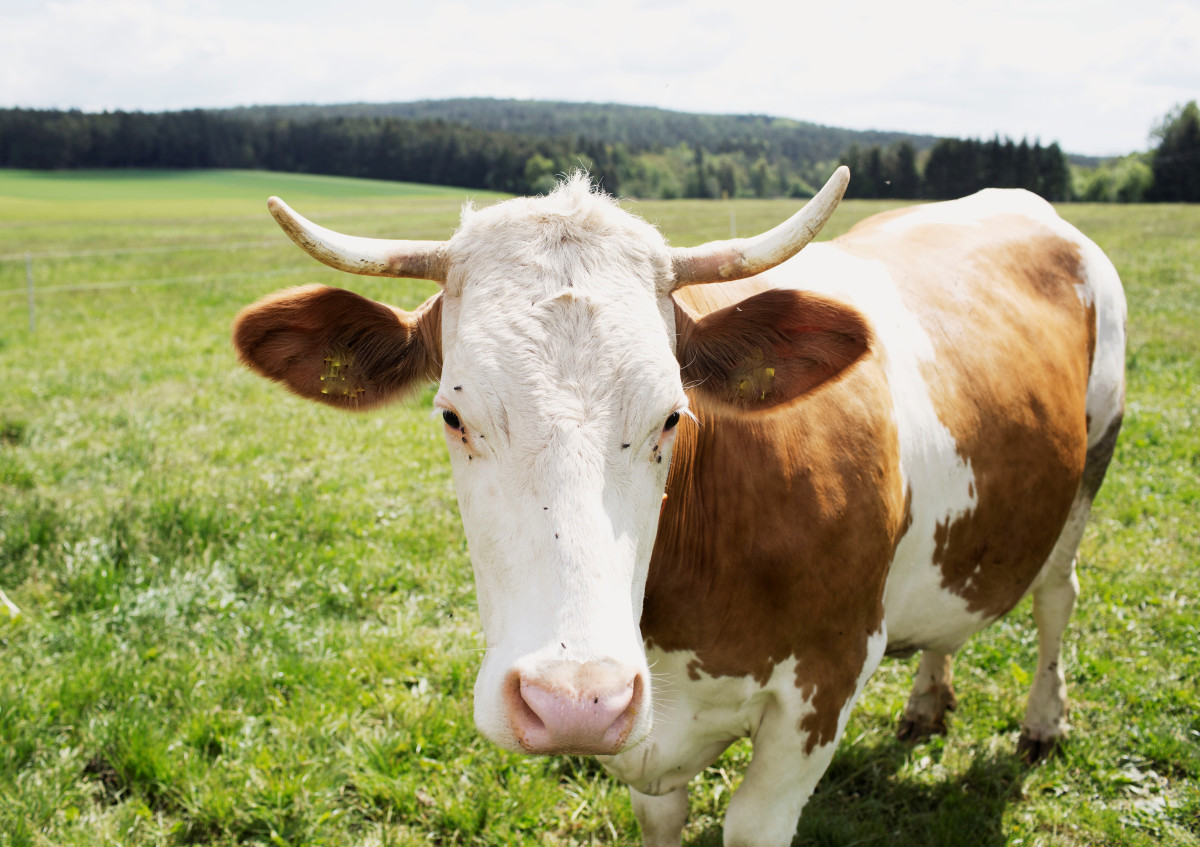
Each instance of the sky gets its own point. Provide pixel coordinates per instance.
(1094, 75)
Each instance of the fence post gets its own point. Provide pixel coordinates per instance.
(29, 287)
(9, 605)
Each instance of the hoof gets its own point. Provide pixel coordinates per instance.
(915, 729)
(915, 726)
(1033, 750)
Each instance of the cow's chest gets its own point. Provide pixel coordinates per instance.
(696, 716)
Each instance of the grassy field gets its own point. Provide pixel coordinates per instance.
(251, 620)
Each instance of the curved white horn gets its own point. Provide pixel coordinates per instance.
(722, 261)
(367, 256)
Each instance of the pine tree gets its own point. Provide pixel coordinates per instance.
(1177, 160)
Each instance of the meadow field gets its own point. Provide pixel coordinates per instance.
(247, 619)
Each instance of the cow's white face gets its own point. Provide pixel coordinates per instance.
(559, 396)
(555, 344)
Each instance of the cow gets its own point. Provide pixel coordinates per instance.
(706, 490)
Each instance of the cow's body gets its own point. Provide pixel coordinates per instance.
(936, 464)
(909, 505)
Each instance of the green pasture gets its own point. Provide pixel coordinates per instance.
(247, 619)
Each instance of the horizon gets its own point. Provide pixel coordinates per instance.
(384, 103)
(1095, 76)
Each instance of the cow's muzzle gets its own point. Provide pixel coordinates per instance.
(574, 707)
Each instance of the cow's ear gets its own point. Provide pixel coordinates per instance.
(770, 348)
(336, 347)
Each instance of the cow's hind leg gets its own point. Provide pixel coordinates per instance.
(661, 818)
(1054, 596)
(931, 698)
(1046, 713)
(1053, 601)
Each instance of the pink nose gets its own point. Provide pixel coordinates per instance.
(573, 707)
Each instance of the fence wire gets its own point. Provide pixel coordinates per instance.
(137, 283)
(117, 251)
(190, 279)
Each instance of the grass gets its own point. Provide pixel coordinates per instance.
(251, 620)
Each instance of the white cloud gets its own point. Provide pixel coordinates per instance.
(1093, 75)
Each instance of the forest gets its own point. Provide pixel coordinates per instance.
(520, 147)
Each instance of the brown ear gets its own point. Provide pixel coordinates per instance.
(769, 348)
(334, 346)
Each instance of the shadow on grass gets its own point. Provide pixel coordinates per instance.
(868, 797)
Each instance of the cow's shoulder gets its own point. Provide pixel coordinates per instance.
(776, 524)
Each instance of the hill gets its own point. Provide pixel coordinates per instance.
(521, 146)
(637, 127)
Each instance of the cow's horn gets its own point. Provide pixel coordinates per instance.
(368, 256)
(722, 261)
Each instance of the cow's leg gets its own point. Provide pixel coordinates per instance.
(661, 818)
(781, 777)
(658, 770)
(932, 696)
(1046, 713)
(1054, 596)
(789, 761)
(663, 770)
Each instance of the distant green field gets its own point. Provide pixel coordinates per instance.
(251, 620)
(75, 195)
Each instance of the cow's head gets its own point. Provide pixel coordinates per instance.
(558, 349)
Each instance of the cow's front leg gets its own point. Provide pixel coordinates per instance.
(793, 746)
(779, 780)
(662, 771)
(661, 818)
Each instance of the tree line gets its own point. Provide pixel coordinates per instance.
(428, 150)
(732, 156)
(635, 128)
(956, 167)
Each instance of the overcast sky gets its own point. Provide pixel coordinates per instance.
(1094, 75)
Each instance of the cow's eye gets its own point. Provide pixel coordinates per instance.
(672, 419)
(451, 419)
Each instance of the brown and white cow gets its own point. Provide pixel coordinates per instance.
(878, 446)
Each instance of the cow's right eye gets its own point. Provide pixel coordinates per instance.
(451, 419)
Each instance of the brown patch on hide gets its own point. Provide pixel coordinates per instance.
(1013, 347)
(339, 348)
(775, 538)
(1098, 457)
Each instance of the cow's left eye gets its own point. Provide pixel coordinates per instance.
(672, 420)
(451, 419)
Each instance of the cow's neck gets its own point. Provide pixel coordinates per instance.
(776, 535)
